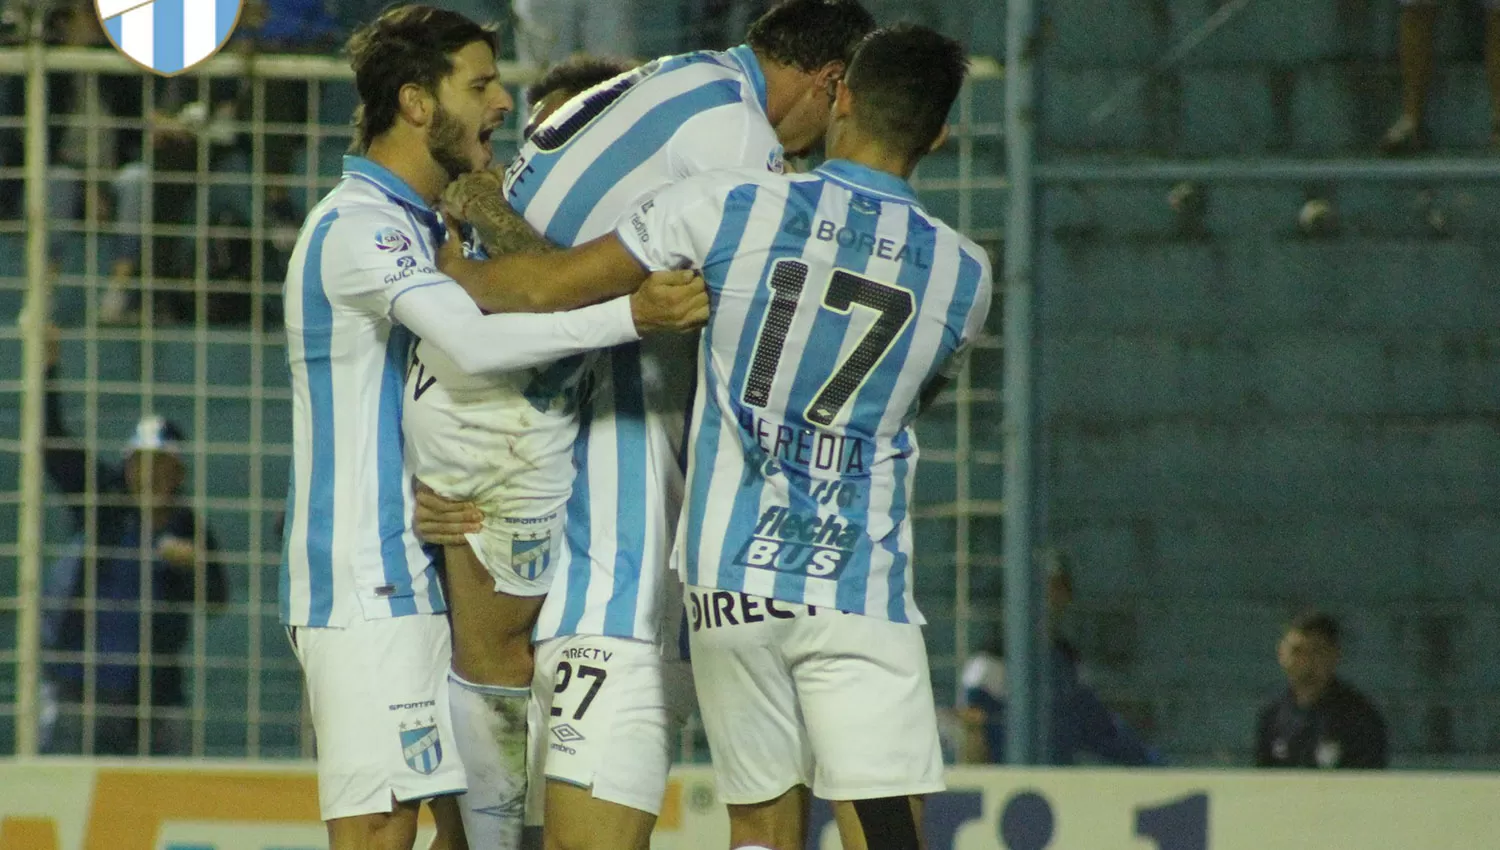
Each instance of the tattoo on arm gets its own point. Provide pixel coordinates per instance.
(503, 230)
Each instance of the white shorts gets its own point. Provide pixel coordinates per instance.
(798, 695)
(505, 442)
(379, 697)
(603, 715)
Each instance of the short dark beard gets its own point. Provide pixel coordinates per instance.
(446, 140)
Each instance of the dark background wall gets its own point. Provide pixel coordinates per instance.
(1241, 419)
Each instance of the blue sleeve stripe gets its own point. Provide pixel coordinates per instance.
(391, 475)
(317, 346)
(626, 153)
(965, 292)
(632, 478)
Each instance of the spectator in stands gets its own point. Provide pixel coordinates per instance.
(149, 558)
(1418, 18)
(174, 257)
(550, 31)
(75, 23)
(1081, 725)
(719, 24)
(1319, 721)
(289, 26)
(66, 23)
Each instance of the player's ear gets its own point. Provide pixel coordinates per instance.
(828, 76)
(417, 104)
(942, 139)
(843, 101)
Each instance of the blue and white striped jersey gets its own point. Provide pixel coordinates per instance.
(577, 176)
(348, 549)
(836, 301)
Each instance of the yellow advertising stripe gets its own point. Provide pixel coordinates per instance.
(28, 834)
(130, 806)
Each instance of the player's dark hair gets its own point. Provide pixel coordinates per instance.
(1316, 623)
(808, 34)
(904, 80)
(578, 74)
(406, 44)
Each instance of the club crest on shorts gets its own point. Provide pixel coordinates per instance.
(421, 746)
(531, 558)
(168, 37)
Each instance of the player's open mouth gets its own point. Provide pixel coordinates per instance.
(485, 134)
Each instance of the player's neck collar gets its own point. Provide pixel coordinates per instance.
(857, 176)
(384, 180)
(746, 57)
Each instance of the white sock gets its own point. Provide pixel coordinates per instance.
(489, 722)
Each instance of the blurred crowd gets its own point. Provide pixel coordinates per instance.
(1315, 720)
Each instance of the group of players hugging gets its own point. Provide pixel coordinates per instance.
(621, 430)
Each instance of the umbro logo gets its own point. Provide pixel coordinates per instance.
(567, 734)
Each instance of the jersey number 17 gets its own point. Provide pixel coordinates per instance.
(892, 305)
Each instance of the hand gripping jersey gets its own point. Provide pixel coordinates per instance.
(504, 441)
(836, 301)
(579, 174)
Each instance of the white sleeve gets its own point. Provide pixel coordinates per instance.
(444, 316)
(979, 311)
(374, 256)
(733, 136)
(674, 228)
